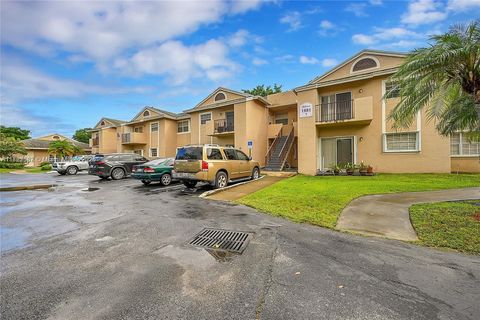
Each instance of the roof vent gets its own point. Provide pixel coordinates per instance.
(366, 63)
(220, 96)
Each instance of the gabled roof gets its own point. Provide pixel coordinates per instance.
(38, 143)
(219, 89)
(113, 122)
(354, 57)
(161, 114)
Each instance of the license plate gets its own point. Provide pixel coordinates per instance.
(139, 170)
(184, 175)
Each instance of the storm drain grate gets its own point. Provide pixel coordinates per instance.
(217, 239)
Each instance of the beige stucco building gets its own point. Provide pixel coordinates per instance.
(338, 117)
(37, 149)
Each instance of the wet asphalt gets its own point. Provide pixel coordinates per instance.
(121, 252)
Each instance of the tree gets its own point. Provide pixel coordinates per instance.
(10, 147)
(443, 79)
(82, 135)
(63, 148)
(15, 132)
(263, 91)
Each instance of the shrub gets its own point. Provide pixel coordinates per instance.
(43, 163)
(46, 167)
(12, 165)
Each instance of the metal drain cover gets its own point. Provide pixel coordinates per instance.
(218, 239)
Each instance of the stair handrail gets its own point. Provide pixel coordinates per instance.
(288, 141)
(275, 141)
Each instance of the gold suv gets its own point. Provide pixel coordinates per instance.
(214, 164)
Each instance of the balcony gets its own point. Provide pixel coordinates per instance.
(223, 126)
(134, 138)
(93, 142)
(356, 111)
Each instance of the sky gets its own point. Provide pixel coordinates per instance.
(66, 64)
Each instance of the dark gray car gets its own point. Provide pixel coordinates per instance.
(115, 165)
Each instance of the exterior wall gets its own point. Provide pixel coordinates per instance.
(107, 140)
(256, 119)
(283, 98)
(307, 138)
(35, 157)
(230, 96)
(465, 164)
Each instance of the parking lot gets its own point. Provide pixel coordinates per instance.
(91, 249)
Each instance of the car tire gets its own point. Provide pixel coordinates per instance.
(146, 182)
(190, 184)
(103, 178)
(72, 170)
(165, 179)
(221, 180)
(118, 174)
(255, 173)
(62, 173)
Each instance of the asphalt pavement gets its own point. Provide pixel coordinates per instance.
(91, 249)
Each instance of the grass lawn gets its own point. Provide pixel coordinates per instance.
(454, 225)
(29, 170)
(320, 200)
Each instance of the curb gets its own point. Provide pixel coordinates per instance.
(210, 192)
(32, 187)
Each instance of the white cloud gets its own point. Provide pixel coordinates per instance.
(239, 38)
(329, 62)
(181, 63)
(308, 60)
(386, 34)
(376, 2)
(325, 24)
(357, 8)
(293, 20)
(327, 28)
(462, 5)
(258, 62)
(424, 12)
(103, 30)
(287, 58)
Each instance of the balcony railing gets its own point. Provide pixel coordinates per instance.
(95, 142)
(126, 137)
(223, 126)
(133, 138)
(335, 111)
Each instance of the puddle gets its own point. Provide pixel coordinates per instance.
(221, 256)
(12, 238)
(90, 189)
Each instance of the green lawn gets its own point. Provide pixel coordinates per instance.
(320, 200)
(448, 225)
(29, 170)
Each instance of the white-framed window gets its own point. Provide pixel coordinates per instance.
(281, 118)
(204, 117)
(154, 127)
(392, 89)
(183, 126)
(153, 152)
(138, 129)
(401, 142)
(460, 145)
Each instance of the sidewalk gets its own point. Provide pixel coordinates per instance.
(387, 215)
(236, 192)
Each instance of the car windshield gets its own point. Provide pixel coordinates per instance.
(97, 157)
(189, 153)
(77, 158)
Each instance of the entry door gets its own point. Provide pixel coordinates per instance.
(344, 150)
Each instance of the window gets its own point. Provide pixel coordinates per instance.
(56, 137)
(220, 96)
(241, 155)
(205, 117)
(214, 154)
(102, 123)
(146, 113)
(401, 142)
(392, 90)
(154, 127)
(125, 157)
(153, 152)
(139, 152)
(230, 153)
(366, 63)
(460, 145)
(281, 118)
(189, 153)
(138, 129)
(183, 126)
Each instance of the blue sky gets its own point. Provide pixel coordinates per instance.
(66, 64)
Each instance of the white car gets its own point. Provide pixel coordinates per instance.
(78, 163)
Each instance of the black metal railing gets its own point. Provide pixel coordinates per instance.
(223, 125)
(126, 137)
(335, 111)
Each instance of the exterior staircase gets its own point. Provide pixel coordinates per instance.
(278, 152)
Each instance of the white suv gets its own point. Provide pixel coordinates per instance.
(78, 163)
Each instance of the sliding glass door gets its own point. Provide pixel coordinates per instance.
(336, 151)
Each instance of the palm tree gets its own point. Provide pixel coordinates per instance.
(443, 79)
(63, 148)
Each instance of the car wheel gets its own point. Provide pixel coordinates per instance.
(190, 184)
(166, 179)
(103, 177)
(62, 173)
(146, 182)
(72, 170)
(255, 173)
(118, 174)
(221, 180)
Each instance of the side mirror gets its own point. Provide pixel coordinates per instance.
(249, 158)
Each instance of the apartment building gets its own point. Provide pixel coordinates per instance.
(338, 117)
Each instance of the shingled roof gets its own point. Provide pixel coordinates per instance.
(44, 144)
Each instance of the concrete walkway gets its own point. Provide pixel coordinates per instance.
(236, 192)
(387, 215)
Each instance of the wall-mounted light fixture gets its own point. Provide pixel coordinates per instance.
(360, 90)
(361, 139)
